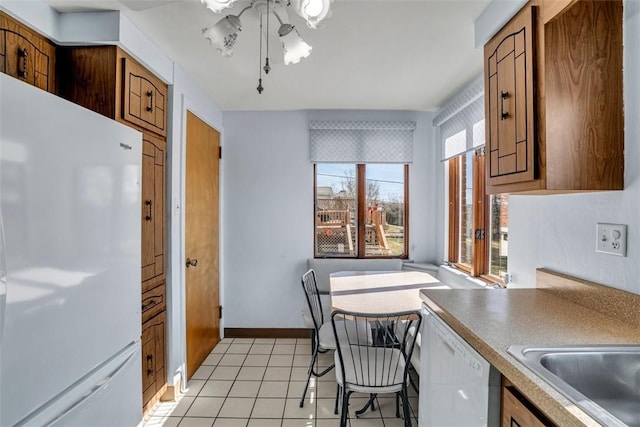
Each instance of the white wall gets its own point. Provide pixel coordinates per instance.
(558, 232)
(268, 209)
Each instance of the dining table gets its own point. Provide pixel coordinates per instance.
(380, 291)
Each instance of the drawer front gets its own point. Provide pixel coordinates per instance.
(144, 98)
(154, 302)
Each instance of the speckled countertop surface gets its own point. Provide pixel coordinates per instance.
(493, 320)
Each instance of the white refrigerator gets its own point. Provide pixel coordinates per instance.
(69, 263)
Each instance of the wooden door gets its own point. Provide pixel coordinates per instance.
(202, 241)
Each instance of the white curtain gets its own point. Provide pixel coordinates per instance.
(361, 142)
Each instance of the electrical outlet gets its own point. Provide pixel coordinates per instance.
(611, 239)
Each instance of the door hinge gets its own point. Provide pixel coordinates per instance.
(480, 234)
(220, 152)
(220, 312)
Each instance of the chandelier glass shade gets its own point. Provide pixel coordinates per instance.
(224, 34)
(292, 44)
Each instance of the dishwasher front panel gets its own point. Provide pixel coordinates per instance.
(458, 387)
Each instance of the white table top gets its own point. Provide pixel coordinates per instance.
(380, 291)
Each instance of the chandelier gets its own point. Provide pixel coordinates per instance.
(223, 35)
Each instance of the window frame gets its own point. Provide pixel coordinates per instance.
(361, 185)
(479, 266)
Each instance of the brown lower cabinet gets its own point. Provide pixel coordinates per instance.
(517, 411)
(153, 357)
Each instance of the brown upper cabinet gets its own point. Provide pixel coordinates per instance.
(26, 55)
(553, 99)
(144, 98)
(107, 80)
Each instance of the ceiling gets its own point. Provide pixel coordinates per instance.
(371, 55)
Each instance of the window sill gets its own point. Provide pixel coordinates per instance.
(457, 278)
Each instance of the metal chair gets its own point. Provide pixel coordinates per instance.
(376, 367)
(323, 338)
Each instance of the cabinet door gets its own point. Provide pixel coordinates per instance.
(509, 102)
(153, 351)
(144, 98)
(26, 55)
(153, 206)
(515, 412)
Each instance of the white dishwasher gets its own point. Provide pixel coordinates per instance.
(458, 387)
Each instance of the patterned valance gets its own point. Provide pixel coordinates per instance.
(461, 121)
(361, 142)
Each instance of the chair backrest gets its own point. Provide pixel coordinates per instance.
(310, 287)
(383, 361)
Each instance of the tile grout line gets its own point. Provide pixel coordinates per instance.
(280, 419)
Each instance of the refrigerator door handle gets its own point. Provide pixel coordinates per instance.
(102, 385)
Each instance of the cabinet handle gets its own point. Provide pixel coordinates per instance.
(22, 53)
(152, 303)
(148, 204)
(149, 364)
(150, 95)
(503, 114)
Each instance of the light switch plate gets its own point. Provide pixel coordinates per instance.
(611, 239)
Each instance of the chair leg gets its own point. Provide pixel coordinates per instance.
(405, 407)
(345, 408)
(309, 373)
(398, 405)
(338, 391)
(313, 372)
(411, 381)
(313, 341)
(370, 403)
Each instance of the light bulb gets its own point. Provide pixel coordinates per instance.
(217, 5)
(313, 8)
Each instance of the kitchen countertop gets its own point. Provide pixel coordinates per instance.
(492, 320)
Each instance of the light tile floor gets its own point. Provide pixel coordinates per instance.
(259, 382)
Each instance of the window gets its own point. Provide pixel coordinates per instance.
(478, 224)
(499, 243)
(360, 210)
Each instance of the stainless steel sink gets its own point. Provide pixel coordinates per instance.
(602, 380)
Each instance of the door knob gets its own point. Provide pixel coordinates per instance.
(191, 262)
